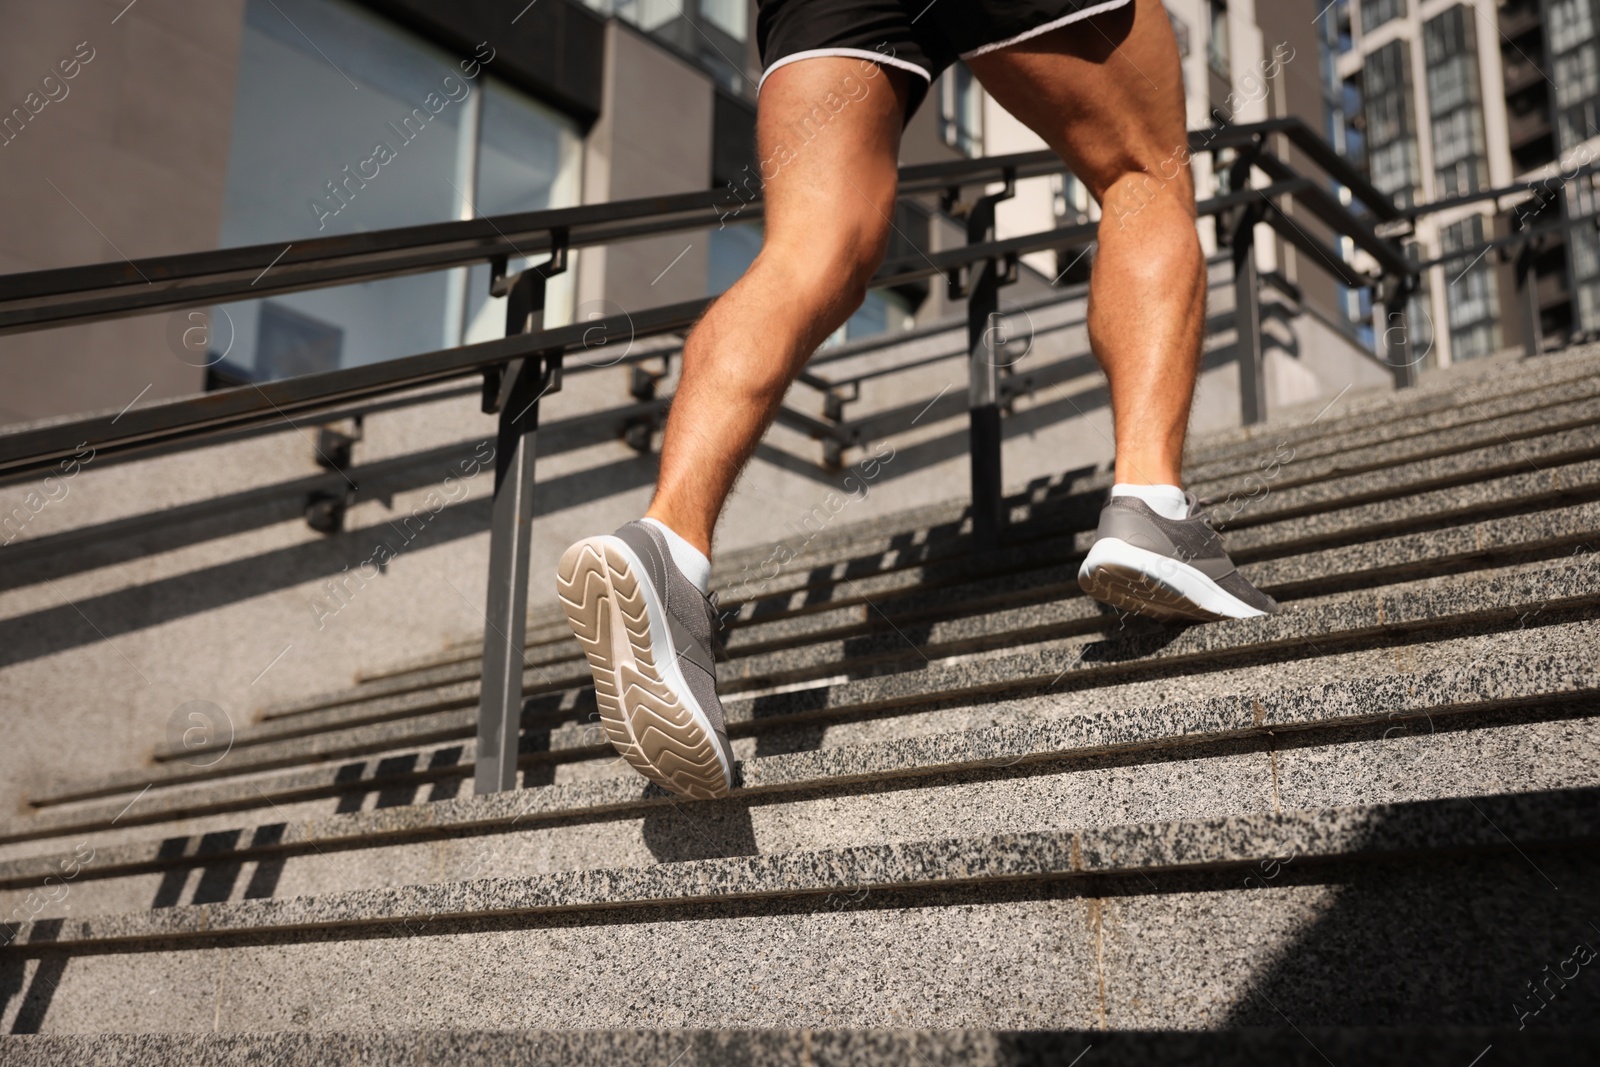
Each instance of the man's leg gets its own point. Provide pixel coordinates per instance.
(829, 133)
(829, 200)
(1107, 94)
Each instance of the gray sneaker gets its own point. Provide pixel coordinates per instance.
(1166, 568)
(647, 632)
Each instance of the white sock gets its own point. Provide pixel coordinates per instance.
(1165, 500)
(690, 560)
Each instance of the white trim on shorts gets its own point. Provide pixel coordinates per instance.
(850, 53)
(1046, 28)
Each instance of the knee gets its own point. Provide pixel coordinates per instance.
(833, 267)
(1147, 196)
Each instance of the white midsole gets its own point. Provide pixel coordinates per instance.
(1187, 581)
(671, 673)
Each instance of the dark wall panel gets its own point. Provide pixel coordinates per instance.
(733, 141)
(555, 49)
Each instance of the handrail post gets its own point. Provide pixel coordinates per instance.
(983, 407)
(984, 333)
(1396, 336)
(1247, 291)
(1247, 320)
(515, 395)
(1528, 283)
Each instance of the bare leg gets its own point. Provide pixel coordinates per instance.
(829, 133)
(1107, 95)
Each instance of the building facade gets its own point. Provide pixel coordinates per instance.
(264, 121)
(1447, 98)
(260, 121)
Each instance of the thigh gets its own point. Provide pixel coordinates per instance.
(828, 133)
(1105, 92)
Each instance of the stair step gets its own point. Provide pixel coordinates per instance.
(1494, 409)
(1460, 406)
(1408, 609)
(1405, 915)
(970, 801)
(1501, 723)
(1283, 1046)
(1341, 618)
(905, 596)
(1530, 820)
(1462, 385)
(390, 781)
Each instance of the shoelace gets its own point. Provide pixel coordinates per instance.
(1199, 508)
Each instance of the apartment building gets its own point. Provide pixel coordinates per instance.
(1447, 98)
(1551, 59)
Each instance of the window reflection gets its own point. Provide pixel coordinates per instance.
(344, 123)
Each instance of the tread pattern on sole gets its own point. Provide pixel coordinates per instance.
(1132, 590)
(644, 718)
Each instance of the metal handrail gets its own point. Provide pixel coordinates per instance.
(157, 424)
(527, 363)
(100, 291)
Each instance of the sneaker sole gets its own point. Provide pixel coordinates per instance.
(1147, 583)
(645, 708)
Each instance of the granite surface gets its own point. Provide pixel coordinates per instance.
(1435, 835)
(904, 595)
(1088, 792)
(1462, 385)
(1297, 468)
(860, 632)
(1435, 603)
(1286, 1046)
(383, 782)
(1564, 817)
(1310, 627)
(1309, 445)
(1476, 465)
(1386, 709)
(889, 570)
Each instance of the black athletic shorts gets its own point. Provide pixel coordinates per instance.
(920, 36)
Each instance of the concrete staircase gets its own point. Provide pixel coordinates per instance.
(982, 820)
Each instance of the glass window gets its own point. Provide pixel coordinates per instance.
(1419, 320)
(883, 311)
(1589, 304)
(1217, 39)
(729, 16)
(1571, 24)
(961, 111)
(1375, 13)
(1577, 83)
(1460, 163)
(1471, 295)
(646, 14)
(525, 162)
(1576, 76)
(1391, 143)
(344, 123)
(1581, 200)
(683, 24)
(1350, 108)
